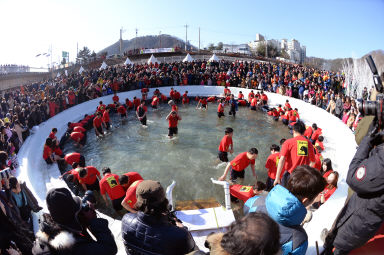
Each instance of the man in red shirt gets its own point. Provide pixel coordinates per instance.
(79, 138)
(226, 145)
(271, 165)
(89, 177)
(98, 124)
(238, 165)
(296, 151)
(220, 108)
(203, 103)
(250, 96)
(144, 93)
(172, 94)
(173, 119)
(73, 157)
(101, 107)
(136, 102)
(130, 199)
(177, 96)
(106, 118)
(110, 185)
(122, 111)
(128, 178)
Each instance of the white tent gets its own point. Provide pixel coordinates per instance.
(188, 58)
(128, 62)
(153, 60)
(81, 69)
(214, 58)
(103, 66)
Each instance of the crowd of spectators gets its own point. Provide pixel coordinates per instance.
(6, 69)
(32, 104)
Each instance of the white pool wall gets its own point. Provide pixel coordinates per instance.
(339, 143)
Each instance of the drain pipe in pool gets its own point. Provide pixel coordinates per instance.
(226, 192)
(168, 193)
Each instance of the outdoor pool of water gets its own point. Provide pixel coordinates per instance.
(191, 159)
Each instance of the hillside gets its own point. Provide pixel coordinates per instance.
(149, 42)
(337, 64)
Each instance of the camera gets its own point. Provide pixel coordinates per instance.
(374, 108)
(5, 173)
(88, 198)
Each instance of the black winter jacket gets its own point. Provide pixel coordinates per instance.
(363, 215)
(54, 240)
(148, 235)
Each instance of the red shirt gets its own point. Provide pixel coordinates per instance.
(115, 98)
(328, 192)
(52, 136)
(72, 158)
(130, 195)
(79, 129)
(91, 176)
(240, 96)
(101, 108)
(172, 94)
(75, 173)
(110, 185)
(320, 144)
(47, 152)
(203, 101)
(133, 176)
(173, 120)
(177, 95)
(77, 136)
(297, 151)
(241, 162)
(316, 134)
(308, 132)
(97, 122)
(136, 102)
(121, 109)
(271, 164)
(318, 160)
(241, 192)
(254, 101)
(174, 108)
(227, 91)
(226, 141)
(220, 108)
(106, 116)
(264, 97)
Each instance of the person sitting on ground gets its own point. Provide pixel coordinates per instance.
(48, 155)
(110, 185)
(287, 206)
(254, 234)
(328, 191)
(64, 229)
(326, 167)
(160, 233)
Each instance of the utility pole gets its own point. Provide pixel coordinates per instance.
(199, 39)
(186, 36)
(160, 38)
(136, 39)
(77, 51)
(266, 47)
(121, 40)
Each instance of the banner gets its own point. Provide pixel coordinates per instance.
(65, 54)
(159, 50)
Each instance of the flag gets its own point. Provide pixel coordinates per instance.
(81, 69)
(58, 75)
(37, 55)
(66, 73)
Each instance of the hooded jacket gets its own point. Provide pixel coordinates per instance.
(284, 208)
(55, 239)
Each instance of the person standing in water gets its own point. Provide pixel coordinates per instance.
(173, 119)
(141, 113)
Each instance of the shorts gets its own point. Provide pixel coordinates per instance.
(237, 174)
(154, 106)
(284, 180)
(265, 102)
(253, 108)
(204, 106)
(223, 156)
(285, 121)
(116, 203)
(49, 161)
(232, 112)
(100, 129)
(123, 115)
(94, 186)
(172, 131)
(219, 114)
(108, 125)
(144, 121)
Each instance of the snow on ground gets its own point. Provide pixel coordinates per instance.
(339, 145)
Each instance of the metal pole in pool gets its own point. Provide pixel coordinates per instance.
(168, 193)
(226, 192)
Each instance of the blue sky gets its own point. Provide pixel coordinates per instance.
(329, 29)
